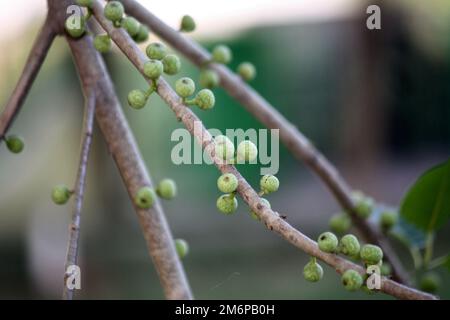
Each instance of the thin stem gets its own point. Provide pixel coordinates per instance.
(271, 219)
(74, 227)
(294, 140)
(438, 262)
(34, 62)
(428, 249)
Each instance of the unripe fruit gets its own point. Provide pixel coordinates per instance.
(227, 203)
(142, 34)
(363, 205)
(167, 189)
(153, 69)
(328, 242)
(172, 64)
(247, 71)
(247, 151)
(205, 99)
(185, 87)
(430, 282)
(102, 43)
(187, 24)
(312, 271)
(131, 25)
(371, 254)
(224, 147)
(269, 183)
(61, 194)
(253, 213)
(209, 79)
(352, 280)
(349, 245)
(14, 143)
(221, 54)
(145, 198)
(227, 183)
(114, 11)
(156, 51)
(388, 219)
(137, 99)
(75, 26)
(340, 223)
(85, 3)
(182, 248)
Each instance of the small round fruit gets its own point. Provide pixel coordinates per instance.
(172, 64)
(227, 183)
(153, 69)
(85, 3)
(75, 26)
(114, 11)
(363, 205)
(371, 254)
(227, 204)
(430, 282)
(253, 213)
(328, 242)
(224, 147)
(167, 189)
(142, 34)
(187, 24)
(205, 99)
(269, 183)
(221, 54)
(182, 248)
(102, 43)
(156, 51)
(349, 245)
(14, 143)
(61, 194)
(209, 79)
(185, 87)
(340, 223)
(145, 198)
(131, 25)
(247, 151)
(137, 99)
(312, 271)
(388, 219)
(247, 71)
(352, 280)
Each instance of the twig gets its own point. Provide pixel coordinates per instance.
(293, 139)
(122, 145)
(34, 62)
(270, 218)
(74, 227)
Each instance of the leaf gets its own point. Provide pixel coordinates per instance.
(408, 234)
(427, 202)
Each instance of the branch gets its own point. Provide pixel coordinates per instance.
(122, 145)
(74, 227)
(34, 62)
(270, 218)
(261, 109)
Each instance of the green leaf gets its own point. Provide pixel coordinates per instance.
(427, 203)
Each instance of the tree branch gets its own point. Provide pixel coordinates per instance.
(32, 65)
(271, 219)
(122, 145)
(292, 138)
(74, 227)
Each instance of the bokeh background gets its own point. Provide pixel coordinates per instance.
(377, 103)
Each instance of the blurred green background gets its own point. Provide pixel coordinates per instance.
(377, 103)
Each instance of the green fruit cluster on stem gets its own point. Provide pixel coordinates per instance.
(145, 198)
(185, 87)
(247, 71)
(171, 64)
(269, 183)
(14, 143)
(182, 247)
(224, 148)
(131, 26)
(61, 194)
(114, 11)
(167, 189)
(247, 151)
(352, 280)
(227, 203)
(222, 54)
(312, 271)
(187, 24)
(156, 51)
(349, 245)
(102, 43)
(209, 78)
(328, 242)
(371, 254)
(227, 183)
(340, 223)
(153, 69)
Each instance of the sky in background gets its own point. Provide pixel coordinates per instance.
(213, 17)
